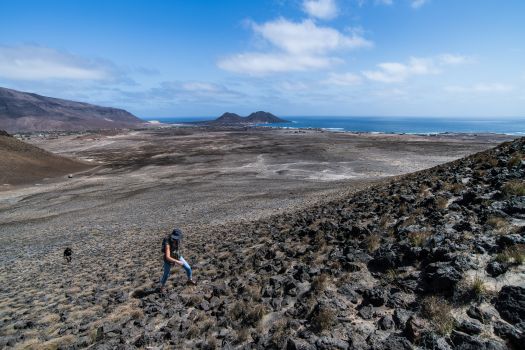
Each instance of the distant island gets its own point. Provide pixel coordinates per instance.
(23, 111)
(259, 117)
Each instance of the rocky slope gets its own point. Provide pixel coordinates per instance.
(22, 163)
(23, 111)
(431, 260)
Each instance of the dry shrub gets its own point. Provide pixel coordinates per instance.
(121, 312)
(418, 238)
(279, 333)
(487, 160)
(254, 292)
(323, 319)
(373, 242)
(439, 312)
(49, 319)
(515, 160)
(58, 343)
(402, 209)
(477, 286)
(472, 288)
(236, 311)
(497, 222)
(383, 222)
(319, 283)
(514, 188)
(455, 188)
(391, 275)
(255, 314)
(248, 314)
(211, 343)
(442, 202)
(242, 335)
(192, 332)
(513, 255)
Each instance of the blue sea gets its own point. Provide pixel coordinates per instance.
(396, 125)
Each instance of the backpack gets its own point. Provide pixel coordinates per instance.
(164, 243)
(176, 234)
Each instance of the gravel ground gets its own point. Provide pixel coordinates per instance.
(145, 182)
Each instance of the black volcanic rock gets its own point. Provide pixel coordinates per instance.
(23, 111)
(4, 133)
(511, 304)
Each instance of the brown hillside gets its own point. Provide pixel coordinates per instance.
(21, 163)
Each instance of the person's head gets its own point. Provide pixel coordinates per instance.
(176, 235)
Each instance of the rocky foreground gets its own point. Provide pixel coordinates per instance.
(433, 260)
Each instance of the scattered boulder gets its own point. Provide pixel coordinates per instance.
(510, 304)
(496, 268)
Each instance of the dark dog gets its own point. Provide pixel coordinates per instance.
(67, 254)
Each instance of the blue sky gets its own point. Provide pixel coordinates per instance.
(295, 57)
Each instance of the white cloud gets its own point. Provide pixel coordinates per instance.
(394, 72)
(306, 37)
(41, 63)
(343, 79)
(418, 3)
(297, 46)
(481, 88)
(453, 59)
(323, 9)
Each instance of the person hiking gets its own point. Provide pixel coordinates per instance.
(171, 249)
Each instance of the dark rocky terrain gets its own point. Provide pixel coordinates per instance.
(430, 260)
(433, 260)
(23, 111)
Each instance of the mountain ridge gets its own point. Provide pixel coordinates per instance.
(25, 111)
(259, 117)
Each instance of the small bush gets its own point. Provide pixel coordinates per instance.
(255, 314)
(419, 238)
(402, 209)
(373, 242)
(323, 319)
(319, 283)
(514, 188)
(497, 222)
(477, 287)
(391, 275)
(515, 160)
(455, 188)
(383, 223)
(442, 203)
(516, 254)
(439, 312)
(279, 333)
(242, 335)
(502, 257)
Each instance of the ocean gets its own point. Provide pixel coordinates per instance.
(396, 125)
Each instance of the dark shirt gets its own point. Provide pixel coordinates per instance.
(174, 250)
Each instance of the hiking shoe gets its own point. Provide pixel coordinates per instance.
(191, 283)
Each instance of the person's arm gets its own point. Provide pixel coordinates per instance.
(169, 258)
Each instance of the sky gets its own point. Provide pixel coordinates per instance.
(444, 58)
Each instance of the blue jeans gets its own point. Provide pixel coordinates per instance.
(167, 269)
